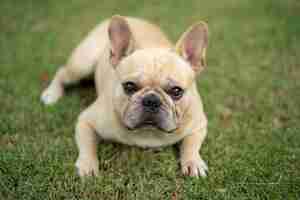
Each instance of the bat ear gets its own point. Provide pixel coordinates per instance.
(192, 45)
(120, 38)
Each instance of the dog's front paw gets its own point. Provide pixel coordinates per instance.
(87, 167)
(51, 95)
(194, 167)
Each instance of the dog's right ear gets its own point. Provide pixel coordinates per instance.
(120, 38)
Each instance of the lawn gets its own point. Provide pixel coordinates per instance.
(250, 89)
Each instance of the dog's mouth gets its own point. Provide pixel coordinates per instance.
(148, 123)
(138, 119)
(151, 124)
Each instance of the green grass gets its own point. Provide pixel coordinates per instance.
(251, 93)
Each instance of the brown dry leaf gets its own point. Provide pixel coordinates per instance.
(8, 141)
(277, 123)
(39, 27)
(174, 195)
(44, 77)
(225, 115)
(280, 121)
(222, 190)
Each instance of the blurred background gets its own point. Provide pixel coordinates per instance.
(250, 91)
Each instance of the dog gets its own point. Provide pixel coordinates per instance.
(146, 90)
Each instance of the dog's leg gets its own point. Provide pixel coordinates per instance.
(87, 162)
(191, 161)
(78, 67)
(81, 64)
(56, 88)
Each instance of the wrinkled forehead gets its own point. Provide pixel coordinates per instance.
(156, 66)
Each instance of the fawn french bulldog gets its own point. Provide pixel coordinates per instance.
(147, 94)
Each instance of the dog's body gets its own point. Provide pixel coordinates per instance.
(135, 65)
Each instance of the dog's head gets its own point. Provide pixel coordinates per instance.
(154, 85)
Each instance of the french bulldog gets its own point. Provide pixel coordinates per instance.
(146, 90)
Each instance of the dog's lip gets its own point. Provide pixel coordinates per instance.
(149, 124)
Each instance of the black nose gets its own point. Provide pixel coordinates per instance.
(151, 103)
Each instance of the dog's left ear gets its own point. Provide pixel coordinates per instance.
(192, 45)
(120, 38)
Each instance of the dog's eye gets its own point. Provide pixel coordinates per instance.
(176, 92)
(130, 87)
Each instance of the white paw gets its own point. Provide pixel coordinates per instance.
(51, 95)
(87, 167)
(194, 167)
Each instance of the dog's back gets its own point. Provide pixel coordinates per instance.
(146, 35)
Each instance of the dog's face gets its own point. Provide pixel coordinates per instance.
(153, 89)
(154, 85)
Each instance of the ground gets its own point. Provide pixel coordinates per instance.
(250, 90)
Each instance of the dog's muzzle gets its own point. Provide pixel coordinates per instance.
(150, 112)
